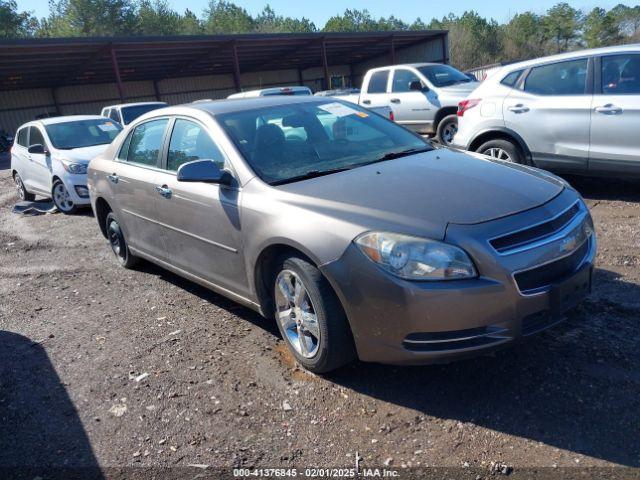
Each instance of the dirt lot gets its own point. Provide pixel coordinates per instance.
(103, 366)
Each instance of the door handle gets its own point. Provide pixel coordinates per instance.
(164, 191)
(395, 100)
(366, 102)
(609, 109)
(113, 178)
(519, 108)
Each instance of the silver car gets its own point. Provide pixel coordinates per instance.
(577, 112)
(359, 237)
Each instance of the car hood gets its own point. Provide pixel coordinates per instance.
(84, 154)
(423, 193)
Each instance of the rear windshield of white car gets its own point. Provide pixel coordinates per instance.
(295, 141)
(129, 114)
(82, 133)
(443, 75)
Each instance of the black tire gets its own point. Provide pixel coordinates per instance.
(118, 243)
(65, 206)
(22, 190)
(335, 347)
(513, 151)
(447, 128)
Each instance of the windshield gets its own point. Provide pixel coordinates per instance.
(289, 142)
(129, 114)
(82, 133)
(443, 75)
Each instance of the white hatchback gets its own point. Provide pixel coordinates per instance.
(49, 157)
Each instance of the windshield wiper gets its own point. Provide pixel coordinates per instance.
(310, 174)
(401, 153)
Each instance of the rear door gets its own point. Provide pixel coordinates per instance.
(411, 108)
(615, 115)
(551, 111)
(40, 163)
(376, 94)
(200, 221)
(20, 157)
(133, 183)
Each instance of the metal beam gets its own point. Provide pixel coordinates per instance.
(325, 65)
(236, 68)
(445, 57)
(116, 72)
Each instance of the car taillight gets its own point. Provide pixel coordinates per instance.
(392, 116)
(465, 105)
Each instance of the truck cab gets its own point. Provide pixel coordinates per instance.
(423, 96)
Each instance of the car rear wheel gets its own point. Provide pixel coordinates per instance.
(447, 129)
(62, 199)
(118, 243)
(504, 150)
(22, 190)
(310, 317)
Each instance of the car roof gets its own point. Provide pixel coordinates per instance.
(64, 119)
(134, 104)
(217, 107)
(572, 54)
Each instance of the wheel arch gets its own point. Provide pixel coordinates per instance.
(443, 112)
(102, 210)
(500, 133)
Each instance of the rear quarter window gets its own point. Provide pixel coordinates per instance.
(511, 78)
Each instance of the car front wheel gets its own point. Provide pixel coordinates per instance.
(62, 199)
(504, 150)
(310, 317)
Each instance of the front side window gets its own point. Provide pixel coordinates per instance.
(290, 142)
(378, 82)
(145, 142)
(443, 75)
(82, 133)
(562, 78)
(36, 137)
(189, 142)
(402, 80)
(621, 74)
(22, 136)
(115, 116)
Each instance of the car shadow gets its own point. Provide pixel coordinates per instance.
(41, 434)
(574, 387)
(604, 188)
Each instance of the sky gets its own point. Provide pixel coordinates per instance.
(320, 11)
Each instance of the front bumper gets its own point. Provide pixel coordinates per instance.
(403, 322)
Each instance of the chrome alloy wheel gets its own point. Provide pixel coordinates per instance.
(61, 197)
(498, 153)
(448, 132)
(296, 314)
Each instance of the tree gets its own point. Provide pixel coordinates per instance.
(562, 23)
(351, 21)
(628, 21)
(13, 23)
(523, 37)
(226, 17)
(157, 18)
(191, 24)
(268, 22)
(72, 18)
(600, 28)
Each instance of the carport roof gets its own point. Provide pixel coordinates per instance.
(55, 62)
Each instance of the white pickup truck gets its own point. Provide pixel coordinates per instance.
(423, 96)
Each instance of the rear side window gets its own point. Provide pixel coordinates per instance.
(511, 78)
(22, 137)
(621, 74)
(146, 141)
(378, 82)
(562, 78)
(36, 138)
(189, 142)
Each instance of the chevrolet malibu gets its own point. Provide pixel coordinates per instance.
(357, 236)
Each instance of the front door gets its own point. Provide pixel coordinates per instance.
(615, 115)
(201, 221)
(40, 163)
(133, 180)
(552, 114)
(411, 108)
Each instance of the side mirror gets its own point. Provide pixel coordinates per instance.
(416, 85)
(38, 149)
(206, 171)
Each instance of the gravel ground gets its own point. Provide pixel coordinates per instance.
(109, 367)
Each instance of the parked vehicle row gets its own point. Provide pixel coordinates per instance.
(357, 236)
(577, 112)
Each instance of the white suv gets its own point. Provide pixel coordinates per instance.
(49, 157)
(577, 112)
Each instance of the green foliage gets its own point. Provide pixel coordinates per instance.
(473, 39)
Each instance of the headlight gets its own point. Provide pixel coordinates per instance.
(415, 258)
(75, 168)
